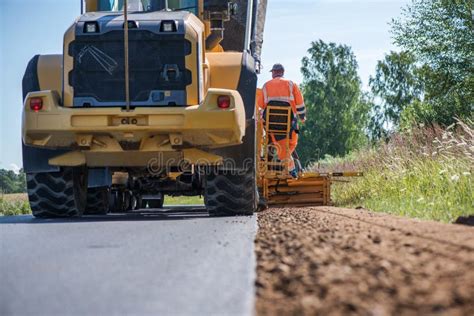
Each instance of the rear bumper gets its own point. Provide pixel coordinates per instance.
(114, 135)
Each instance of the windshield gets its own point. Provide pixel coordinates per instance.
(148, 5)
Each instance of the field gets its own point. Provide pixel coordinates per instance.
(17, 204)
(184, 200)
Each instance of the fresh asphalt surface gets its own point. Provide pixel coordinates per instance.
(177, 261)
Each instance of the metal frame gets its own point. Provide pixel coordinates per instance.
(248, 26)
(282, 171)
(277, 186)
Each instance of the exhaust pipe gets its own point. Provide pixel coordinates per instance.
(217, 12)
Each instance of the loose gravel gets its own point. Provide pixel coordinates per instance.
(320, 261)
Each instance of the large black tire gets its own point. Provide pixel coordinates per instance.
(156, 203)
(127, 201)
(97, 201)
(139, 202)
(228, 194)
(57, 194)
(262, 203)
(116, 201)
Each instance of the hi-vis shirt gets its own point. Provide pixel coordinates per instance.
(281, 89)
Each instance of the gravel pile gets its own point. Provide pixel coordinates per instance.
(339, 261)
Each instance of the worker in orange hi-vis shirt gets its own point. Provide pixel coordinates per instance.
(284, 90)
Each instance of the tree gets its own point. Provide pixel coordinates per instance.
(396, 85)
(439, 34)
(337, 112)
(11, 182)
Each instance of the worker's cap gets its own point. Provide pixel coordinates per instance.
(278, 67)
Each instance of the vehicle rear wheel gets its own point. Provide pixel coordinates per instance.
(154, 203)
(97, 201)
(229, 194)
(127, 201)
(139, 202)
(57, 194)
(262, 204)
(116, 201)
(132, 202)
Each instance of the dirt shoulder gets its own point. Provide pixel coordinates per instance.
(340, 261)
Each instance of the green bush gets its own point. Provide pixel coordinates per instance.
(11, 208)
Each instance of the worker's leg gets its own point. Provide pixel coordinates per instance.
(293, 143)
(285, 149)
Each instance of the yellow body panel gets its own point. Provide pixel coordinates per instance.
(225, 69)
(91, 5)
(195, 91)
(100, 132)
(136, 158)
(49, 72)
(68, 91)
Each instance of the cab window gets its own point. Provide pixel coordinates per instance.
(188, 5)
(148, 5)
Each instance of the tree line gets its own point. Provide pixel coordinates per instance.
(429, 82)
(11, 182)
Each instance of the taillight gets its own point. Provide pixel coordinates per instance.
(223, 101)
(36, 104)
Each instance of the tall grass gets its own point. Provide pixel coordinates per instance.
(426, 173)
(11, 207)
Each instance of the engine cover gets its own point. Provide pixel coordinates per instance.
(157, 60)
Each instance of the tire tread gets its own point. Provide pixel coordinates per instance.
(230, 194)
(52, 194)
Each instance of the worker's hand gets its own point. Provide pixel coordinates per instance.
(302, 121)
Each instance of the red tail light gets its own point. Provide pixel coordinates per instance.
(223, 101)
(36, 104)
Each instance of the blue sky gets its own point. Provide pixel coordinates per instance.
(29, 27)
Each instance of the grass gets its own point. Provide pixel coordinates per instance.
(426, 174)
(17, 204)
(184, 200)
(14, 204)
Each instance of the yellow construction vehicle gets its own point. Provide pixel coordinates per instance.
(148, 98)
(152, 98)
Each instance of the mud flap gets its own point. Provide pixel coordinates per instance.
(35, 160)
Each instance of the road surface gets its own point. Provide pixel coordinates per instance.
(176, 262)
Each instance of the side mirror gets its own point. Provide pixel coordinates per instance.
(233, 8)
